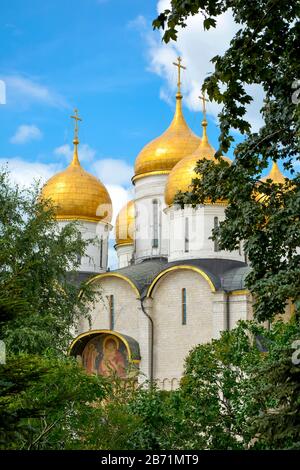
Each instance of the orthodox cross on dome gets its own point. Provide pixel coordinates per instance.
(204, 101)
(179, 67)
(76, 119)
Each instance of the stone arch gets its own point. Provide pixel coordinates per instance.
(177, 268)
(116, 275)
(104, 352)
(166, 384)
(174, 383)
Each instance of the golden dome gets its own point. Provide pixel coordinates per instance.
(180, 178)
(78, 195)
(161, 154)
(275, 175)
(125, 225)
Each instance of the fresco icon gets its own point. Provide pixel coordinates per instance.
(105, 355)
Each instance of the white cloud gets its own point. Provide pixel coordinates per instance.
(113, 171)
(65, 151)
(119, 196)
(138, 23)
(196, 47)
(25, 133)
(85, 152)
(25, 173)
(24, 91)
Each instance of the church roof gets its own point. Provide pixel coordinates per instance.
(234, 279)
(228, 275)
(142, 274)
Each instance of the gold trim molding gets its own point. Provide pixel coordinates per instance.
(111, 332)
(177, 268)
(118, 275)
(151, 173)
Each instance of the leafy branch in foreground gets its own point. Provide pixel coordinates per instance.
(39, 300)
(264, 51)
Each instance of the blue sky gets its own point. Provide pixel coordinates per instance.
(87, 55)
(102, 57)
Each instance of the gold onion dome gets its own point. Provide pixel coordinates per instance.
(125, 225)
(76, 194)
(161, 154)
(180, 178)
(275, 175)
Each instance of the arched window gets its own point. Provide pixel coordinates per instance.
(186, 235)
(183, 306)
(216, 225)
(155, 223)
(78, 254)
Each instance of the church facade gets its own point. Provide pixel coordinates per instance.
(174, 288)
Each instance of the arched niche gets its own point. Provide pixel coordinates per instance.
(107, 353)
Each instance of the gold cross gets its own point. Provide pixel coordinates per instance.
(204, 101)
(76, 118)
(179, 66)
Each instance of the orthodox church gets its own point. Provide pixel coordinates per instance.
(174, 288)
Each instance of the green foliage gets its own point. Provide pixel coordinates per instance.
(48, 403)
(237, 397)
(46, 400)
(39, 301)
(155, 411)
(265, 52)
(231, 396)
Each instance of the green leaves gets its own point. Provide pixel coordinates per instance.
(45, 403)
(38, 302)
(235, 397)
(209, 23)
(263, 52)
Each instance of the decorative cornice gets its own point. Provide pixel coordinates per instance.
(151, 173)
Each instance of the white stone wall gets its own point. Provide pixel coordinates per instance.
(93, 230)
(124, 253)
(239, 307)
(219, 314)
(200, 226)
(172, 340)
(148, 189)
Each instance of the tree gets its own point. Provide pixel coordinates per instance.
(46, 399)
(39, 300)
(49, 403)
(264, 51)
(234, 396)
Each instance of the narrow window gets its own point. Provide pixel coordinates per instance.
(78, 254)
(111, 302)
(186, 235)
(183, 305)
(101, 252)
(216, 225)
(155, 224)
